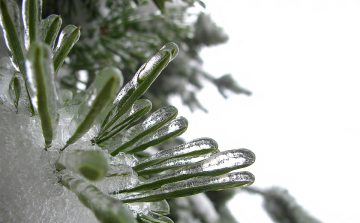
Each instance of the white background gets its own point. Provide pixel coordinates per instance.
(301, 60)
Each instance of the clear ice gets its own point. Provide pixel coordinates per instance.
(31, 30)
(217, 164)
(15, 31)
(157, 119)
(174, 128)
(194, 148)
(138, 109)
(141, 81)
(33, 180)
(42, 89)
(50, 28)
(174, 163)
(192, 186)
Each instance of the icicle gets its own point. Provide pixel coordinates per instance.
(42, 90)
(194, 148)
(192, 186)
(174, 128)
(217, 164)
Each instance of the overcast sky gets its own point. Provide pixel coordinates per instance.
(301, 60)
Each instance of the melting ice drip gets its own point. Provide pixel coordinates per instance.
(85, 143)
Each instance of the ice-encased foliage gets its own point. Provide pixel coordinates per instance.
(67, 159)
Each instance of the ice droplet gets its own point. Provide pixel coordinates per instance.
(65, 96)
(160, 207)
(159, 61)
(15, 91)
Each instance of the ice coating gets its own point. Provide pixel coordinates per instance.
(174, 163)
(67, 39)
(174, 128)
(161, 207)
(6, 67)
(49, 29)
(141, 81)
(15, 44)
(7, 94)
(97, 97)
(92, 164)
(172, 48)
(195, 147)
(155, 120)
(116, 109)
(135, 110)
(154, 217)
(156, 63)
(192, 186)
(31, 21)
(64, 35)
(42, 90)
(217, 164)
(159, 118)
(65, 96)
(229, 160)
(105, 208)
(139, 108)
(30, 195)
